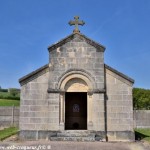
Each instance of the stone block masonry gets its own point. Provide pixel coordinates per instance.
(9, 116)
(142, 118)
(34, 109)
(77, 55)
(76, 65)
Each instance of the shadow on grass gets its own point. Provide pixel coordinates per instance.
(139, 136)
(7, 132)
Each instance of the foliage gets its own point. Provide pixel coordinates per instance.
(7, 132)
(5, 102)
(141, 98)
(8, 95)
(14, 92)
(3, 90)
(142, 134)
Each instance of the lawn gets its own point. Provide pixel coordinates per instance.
(5, 102)
(142, 134)
(7, 132)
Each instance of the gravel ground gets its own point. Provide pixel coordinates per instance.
(12, 143)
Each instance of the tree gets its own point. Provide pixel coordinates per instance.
(141, 98)
(14, 92)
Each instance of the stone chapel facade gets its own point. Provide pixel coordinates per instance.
(76, 96)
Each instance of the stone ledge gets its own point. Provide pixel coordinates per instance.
(121, 136)
(90, 92)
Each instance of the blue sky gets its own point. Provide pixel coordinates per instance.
(28, 27)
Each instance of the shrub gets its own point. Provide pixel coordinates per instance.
(14, 92)
(141, 98)
(6, 95)
(3, 90)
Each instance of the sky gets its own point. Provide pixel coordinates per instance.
(28, 27)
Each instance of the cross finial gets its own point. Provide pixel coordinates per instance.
(76, 22)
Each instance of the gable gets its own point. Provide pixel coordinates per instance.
(69, 60)
(77, 37)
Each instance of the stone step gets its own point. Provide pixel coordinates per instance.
(82, 139)
(76, 134)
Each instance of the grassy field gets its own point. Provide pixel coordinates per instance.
(7, 132)
(142, 134)
(5, 102)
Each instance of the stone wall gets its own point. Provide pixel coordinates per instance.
(81, 58)
(34, 108)
(142, 118)
(9, 116)
(77, 54)
(77, 62)
(119, 106)
(98, 117)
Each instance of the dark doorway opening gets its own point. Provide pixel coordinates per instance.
(76, 111)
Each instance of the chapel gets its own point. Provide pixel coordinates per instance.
(76, 96)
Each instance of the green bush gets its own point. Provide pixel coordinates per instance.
(3, 90)
(14, 92)
(141, 98)
(7, 95)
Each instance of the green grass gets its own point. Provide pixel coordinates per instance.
(7, 132)
(142, 134)
(5, 102)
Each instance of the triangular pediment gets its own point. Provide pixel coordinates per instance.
(77, 37)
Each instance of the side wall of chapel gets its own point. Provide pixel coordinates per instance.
(119, 106)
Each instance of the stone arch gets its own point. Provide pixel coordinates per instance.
(70, 81)
(76, 85)
(81, 77)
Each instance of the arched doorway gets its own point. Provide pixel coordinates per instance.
(75, 102)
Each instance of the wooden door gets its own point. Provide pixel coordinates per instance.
(76, 111)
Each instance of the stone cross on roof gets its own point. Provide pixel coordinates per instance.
(76, 22)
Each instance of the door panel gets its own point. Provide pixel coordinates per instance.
(76, 111)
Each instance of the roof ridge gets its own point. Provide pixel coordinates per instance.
(33, 73)
(71, 36)
(119, 73)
